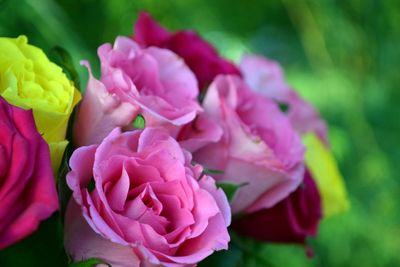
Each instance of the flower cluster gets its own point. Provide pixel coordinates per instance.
(166, 128)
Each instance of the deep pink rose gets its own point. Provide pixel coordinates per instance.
(258, 146)
(198, 54)
(138, 201)
(152, 81)
(266, 77)
(290, 221)
(27, 188)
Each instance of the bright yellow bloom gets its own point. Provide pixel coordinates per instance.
(29, 80)
(323, 167)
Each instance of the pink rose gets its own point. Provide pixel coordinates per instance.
(266, 77)
(152, 81)
(138, 201)
(258, 147)
(291, 220)
(198, 54)
(27, 189)
(297, 216)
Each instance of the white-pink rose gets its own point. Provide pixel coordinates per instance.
(258, 147)
(266, 77)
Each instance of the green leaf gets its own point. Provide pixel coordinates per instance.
(230, 189)
(139, 122)
(225, 258)
(63, 189)
(212, 171)
(64, 192)
(87, 263)
(284, 107)
(91, 185)
(61, 57)
(43, 247)
(202, 94)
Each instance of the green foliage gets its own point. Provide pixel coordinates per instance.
(212, 171)
(230, 189)
(87, 263)
(224, 258)
(61, 57)
(41, 249)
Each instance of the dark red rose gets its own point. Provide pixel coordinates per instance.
(199, 55)
(290, 221)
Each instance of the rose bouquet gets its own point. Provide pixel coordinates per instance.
(172, 153)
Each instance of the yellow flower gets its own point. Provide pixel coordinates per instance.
(29, 80)
(323, 167)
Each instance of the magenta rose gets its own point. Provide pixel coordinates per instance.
(266, 77)
(27, 188)
(139, 201)
(151, 81)
(292, 220)
(198, 54)
(258, 146)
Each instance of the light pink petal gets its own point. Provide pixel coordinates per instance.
(208, 183)
(115, 143)
(205, 208)
(215, 237)
(81, 171)
(199, 133)
(161, 110)
(155, 79)
(259, 147)
(279, 192)
(305, 117)
(119, 192)
(142, 172)
(99, 113)
(81, 242)
(264, 76)
(175, 188)
(178, 80)
(151, 137)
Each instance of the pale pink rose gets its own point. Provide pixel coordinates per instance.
(266, 77)
(258, 147)
(139, 201)
(152, 81)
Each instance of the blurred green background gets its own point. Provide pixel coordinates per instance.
(343, 56)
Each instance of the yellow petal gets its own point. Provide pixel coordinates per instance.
(57, 152)
(28, 79)
(323, 167)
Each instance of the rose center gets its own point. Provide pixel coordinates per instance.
(151, 201)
